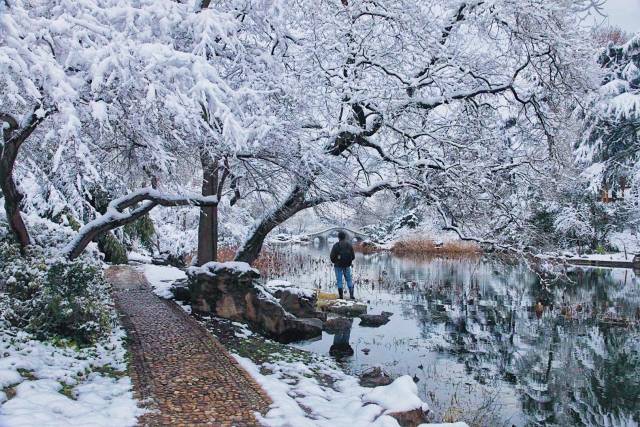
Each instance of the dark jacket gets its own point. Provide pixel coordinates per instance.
(342, 254)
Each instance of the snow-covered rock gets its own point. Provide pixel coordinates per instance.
(231, 291)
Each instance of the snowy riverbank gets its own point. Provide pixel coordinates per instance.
(299, 398)
(307, 389)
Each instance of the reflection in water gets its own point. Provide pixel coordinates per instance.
(341, 347)
(488, 342)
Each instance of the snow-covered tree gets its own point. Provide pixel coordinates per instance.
(462, 100)
(132, 95)
(267, 103)
(610, 147)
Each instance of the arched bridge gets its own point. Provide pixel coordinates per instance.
(324, 235)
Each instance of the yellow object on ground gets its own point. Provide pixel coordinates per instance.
(323, 296)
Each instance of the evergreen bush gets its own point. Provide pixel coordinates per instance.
(54, 298)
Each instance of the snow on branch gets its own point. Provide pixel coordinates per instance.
(365, 192)
(485, 88)
(116, 216)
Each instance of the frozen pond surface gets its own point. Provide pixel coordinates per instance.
(469, 332)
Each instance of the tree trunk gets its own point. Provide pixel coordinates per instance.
(13, 138)
(86, 236)
(12, 200)
(208, 225)
(251, 248)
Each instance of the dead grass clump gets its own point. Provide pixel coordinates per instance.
(424, 246)
(269, 263)
(366, 248)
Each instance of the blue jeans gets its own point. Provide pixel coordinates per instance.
(346, 271)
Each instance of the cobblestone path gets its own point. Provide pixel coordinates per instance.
(184, 376)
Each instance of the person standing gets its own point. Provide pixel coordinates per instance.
(342, 257)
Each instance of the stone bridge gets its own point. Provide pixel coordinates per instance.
(323, 235)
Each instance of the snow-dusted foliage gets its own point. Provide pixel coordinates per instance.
(52, 297)
(129, 94)
(462, 101)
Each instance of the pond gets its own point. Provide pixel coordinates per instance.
(487, 342)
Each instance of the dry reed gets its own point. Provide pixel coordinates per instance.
(425, 246)
(366, 248)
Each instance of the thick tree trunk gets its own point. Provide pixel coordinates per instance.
(251, 248)
(12, 200)
(13, 138)
(208, 225)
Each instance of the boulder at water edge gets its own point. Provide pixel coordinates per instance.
(230, 290)
(337, 324)
(300, 302)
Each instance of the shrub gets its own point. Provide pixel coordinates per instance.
(62, 298)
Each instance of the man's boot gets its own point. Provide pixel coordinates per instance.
(340, 294)
(351, 293)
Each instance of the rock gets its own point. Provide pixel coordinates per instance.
(300, 329)
(230, 290)
(341, 347)
(300, 302)
(341, 350)
(297, 304)
(166, 258)
(375, 320)
(375, 377)
(412, 418)
(345, 308)
(337, 324)
(180, 290)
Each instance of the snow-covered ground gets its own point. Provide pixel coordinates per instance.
(300, 400)
(626, 241)
(46, 385)
(139, 258)
(161, 277)
(620, 256)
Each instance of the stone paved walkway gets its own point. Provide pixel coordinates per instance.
(179, 370)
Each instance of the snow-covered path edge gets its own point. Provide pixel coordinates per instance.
(63, 386)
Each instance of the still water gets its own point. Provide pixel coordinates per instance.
(488, 343)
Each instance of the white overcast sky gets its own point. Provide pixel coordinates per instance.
(623, 13)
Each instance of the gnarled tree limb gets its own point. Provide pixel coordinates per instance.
(116, 216)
